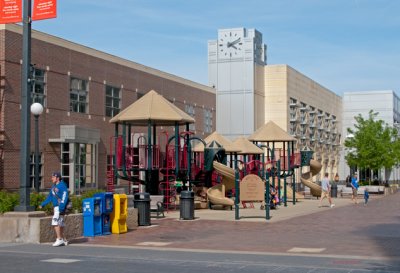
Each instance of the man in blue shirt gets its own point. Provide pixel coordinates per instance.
(58, 196)
(354, 185)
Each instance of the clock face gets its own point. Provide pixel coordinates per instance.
(230, 45)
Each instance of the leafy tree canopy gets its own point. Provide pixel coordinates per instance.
(372, 144)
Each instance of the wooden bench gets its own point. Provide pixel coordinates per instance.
(156, 204)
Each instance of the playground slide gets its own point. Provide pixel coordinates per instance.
(216, 194)
(306, 178)
(289, 194)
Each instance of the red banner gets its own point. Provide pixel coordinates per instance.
(10, 11)
(44, 9)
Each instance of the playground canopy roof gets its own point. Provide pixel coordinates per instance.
(223, 141)
(246, 147)
(270, 132)
(154, 108)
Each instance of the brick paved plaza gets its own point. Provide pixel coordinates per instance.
(346, 230)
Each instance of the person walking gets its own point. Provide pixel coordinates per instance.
(325, 191)
(354, 185)
(58, 197)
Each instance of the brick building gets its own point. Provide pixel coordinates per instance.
(81, 89)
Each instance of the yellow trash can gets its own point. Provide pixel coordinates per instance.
(119, 214)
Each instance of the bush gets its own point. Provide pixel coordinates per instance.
(77, 199)
(76, 203)
(8, 201)
(37, 199)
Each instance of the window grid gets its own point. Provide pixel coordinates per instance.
(79, 95)
(190, 110)
(113, 101)
(32, 169)
(38, 84)
(207, 121)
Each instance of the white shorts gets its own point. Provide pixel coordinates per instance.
(57, 220)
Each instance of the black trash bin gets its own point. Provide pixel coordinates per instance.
(141, 201)
(334, 191)
(187, 205)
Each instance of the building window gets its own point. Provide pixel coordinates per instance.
(65, 162)
(32, 169)
(190, 110)
(113, 101)
(208, 120)
(38, 85)
(79, 95)
(85, 166)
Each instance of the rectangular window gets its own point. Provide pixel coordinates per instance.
(190, 110)
(208, 120)
(79, 92)
(32, 169)
(38, 85)
(113, 100)
(85, 166)
(65, 162)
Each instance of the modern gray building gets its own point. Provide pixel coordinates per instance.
(386, 103)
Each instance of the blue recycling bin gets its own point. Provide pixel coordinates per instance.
(107, 202)
(92, 221)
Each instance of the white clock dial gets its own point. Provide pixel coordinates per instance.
(230, 45)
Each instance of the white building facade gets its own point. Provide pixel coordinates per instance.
(386, 103)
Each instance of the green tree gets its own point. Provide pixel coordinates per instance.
(373, 144)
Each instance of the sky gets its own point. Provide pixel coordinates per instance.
(344, 45)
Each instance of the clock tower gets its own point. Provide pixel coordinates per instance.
(236, 69)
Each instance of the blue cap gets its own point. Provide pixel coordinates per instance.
(57, 174)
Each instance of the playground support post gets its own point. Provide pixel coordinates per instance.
(294, 188)
(293, 178)
(279, 179)
(267, 198)
(236, 188)
(176, 149)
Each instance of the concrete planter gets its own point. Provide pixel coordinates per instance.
(35, 227)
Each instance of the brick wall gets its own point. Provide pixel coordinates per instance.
(60, 62)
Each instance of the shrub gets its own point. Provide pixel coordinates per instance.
(76, 203)
(8, 201)
(37, 199)
(77, 199)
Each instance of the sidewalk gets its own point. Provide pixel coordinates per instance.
(347, 229)
(302, 207)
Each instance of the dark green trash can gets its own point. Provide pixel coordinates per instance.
(187, 205)
(334, 191)
(141, 201)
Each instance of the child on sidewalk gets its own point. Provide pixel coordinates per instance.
(366, 196)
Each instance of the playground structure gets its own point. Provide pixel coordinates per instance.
(143, 162)
(217, 194)
(165, 165)
(306, 178)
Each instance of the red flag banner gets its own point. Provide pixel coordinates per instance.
(10, 11)
(44, 9)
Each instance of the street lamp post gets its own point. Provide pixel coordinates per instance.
(36, 110)
(24, 190)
